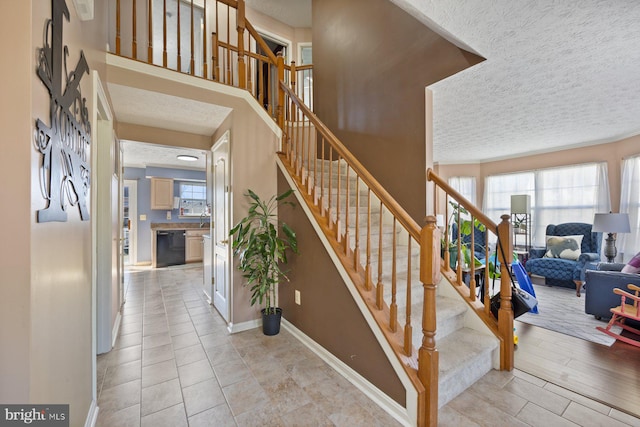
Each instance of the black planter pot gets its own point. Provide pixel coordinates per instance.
(271, 322)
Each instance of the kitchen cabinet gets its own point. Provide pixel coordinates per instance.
(194, 245)
(162, 193)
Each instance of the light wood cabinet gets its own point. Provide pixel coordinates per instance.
(162, 193)
(194, 248)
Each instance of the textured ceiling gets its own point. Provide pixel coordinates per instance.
(142, 107)
(154, 109)
(558, 74)
(141, 154)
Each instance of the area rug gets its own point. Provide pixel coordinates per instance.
(561, 311)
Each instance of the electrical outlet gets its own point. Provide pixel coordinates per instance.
(297, 297)
(168, 214)
(143, 217)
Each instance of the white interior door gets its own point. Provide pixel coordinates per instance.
(221, 248)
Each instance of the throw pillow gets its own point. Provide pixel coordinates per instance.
(566, 247)
(633, 266)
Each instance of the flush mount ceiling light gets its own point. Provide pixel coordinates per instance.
(187, 158)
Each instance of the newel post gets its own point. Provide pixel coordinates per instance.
(428, 354)
(242, 68)
(280, 64)
(505, 313)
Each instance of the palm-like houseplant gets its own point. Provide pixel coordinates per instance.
(461, 218)
(262, 251)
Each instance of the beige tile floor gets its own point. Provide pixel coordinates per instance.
(175, 364)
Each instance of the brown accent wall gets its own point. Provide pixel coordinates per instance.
(327, 313)
(612, 153)
(372, 62)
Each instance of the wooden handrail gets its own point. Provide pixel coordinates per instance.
(327, 191)
(300, 67)
(261, 43)
(403, 217)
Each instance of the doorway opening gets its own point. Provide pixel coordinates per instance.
(270, 72)
(129, 221)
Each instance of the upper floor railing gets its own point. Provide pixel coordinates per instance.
(211, 39)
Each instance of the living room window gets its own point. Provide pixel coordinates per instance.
(499, 188)
(629, 244)
(558, 195)
(465, 185)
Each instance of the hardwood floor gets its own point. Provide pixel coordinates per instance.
(610, 375)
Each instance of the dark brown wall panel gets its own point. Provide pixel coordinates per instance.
(372, 62)
(327, 313)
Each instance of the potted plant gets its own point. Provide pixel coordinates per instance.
(262, 251)
(466, 226)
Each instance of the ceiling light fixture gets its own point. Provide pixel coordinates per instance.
(187, 158)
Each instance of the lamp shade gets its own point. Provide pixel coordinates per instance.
(520, 204)
(611, 223)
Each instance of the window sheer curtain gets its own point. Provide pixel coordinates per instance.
(558, 195)
(465, 185)
(629, 244)
(499, 188)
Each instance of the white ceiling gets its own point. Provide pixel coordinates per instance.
(557, 74)
(140, 155)
(145, 108)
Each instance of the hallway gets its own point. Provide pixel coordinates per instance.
(175, 364)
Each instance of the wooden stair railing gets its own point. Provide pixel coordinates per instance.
(446, 195)
(372, 235)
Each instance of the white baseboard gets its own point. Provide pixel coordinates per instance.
(389, 405)
(115, 330)
(244, 326)
(92, 416)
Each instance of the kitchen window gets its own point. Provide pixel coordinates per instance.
(193, 198)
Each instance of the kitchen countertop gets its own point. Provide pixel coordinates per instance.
(178, 226)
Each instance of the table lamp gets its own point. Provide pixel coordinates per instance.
(611, 223)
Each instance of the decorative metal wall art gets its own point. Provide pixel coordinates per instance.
(65, 172)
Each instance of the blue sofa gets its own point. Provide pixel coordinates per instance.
(599, 285)
(566, 272)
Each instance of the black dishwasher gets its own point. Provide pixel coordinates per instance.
(170, 247)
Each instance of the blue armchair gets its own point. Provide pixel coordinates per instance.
(566, 272)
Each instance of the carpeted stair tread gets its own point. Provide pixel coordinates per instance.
(465, 356)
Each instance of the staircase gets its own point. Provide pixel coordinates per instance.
(465, 355)
(444, 336)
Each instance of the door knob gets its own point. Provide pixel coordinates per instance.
(224, 242)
